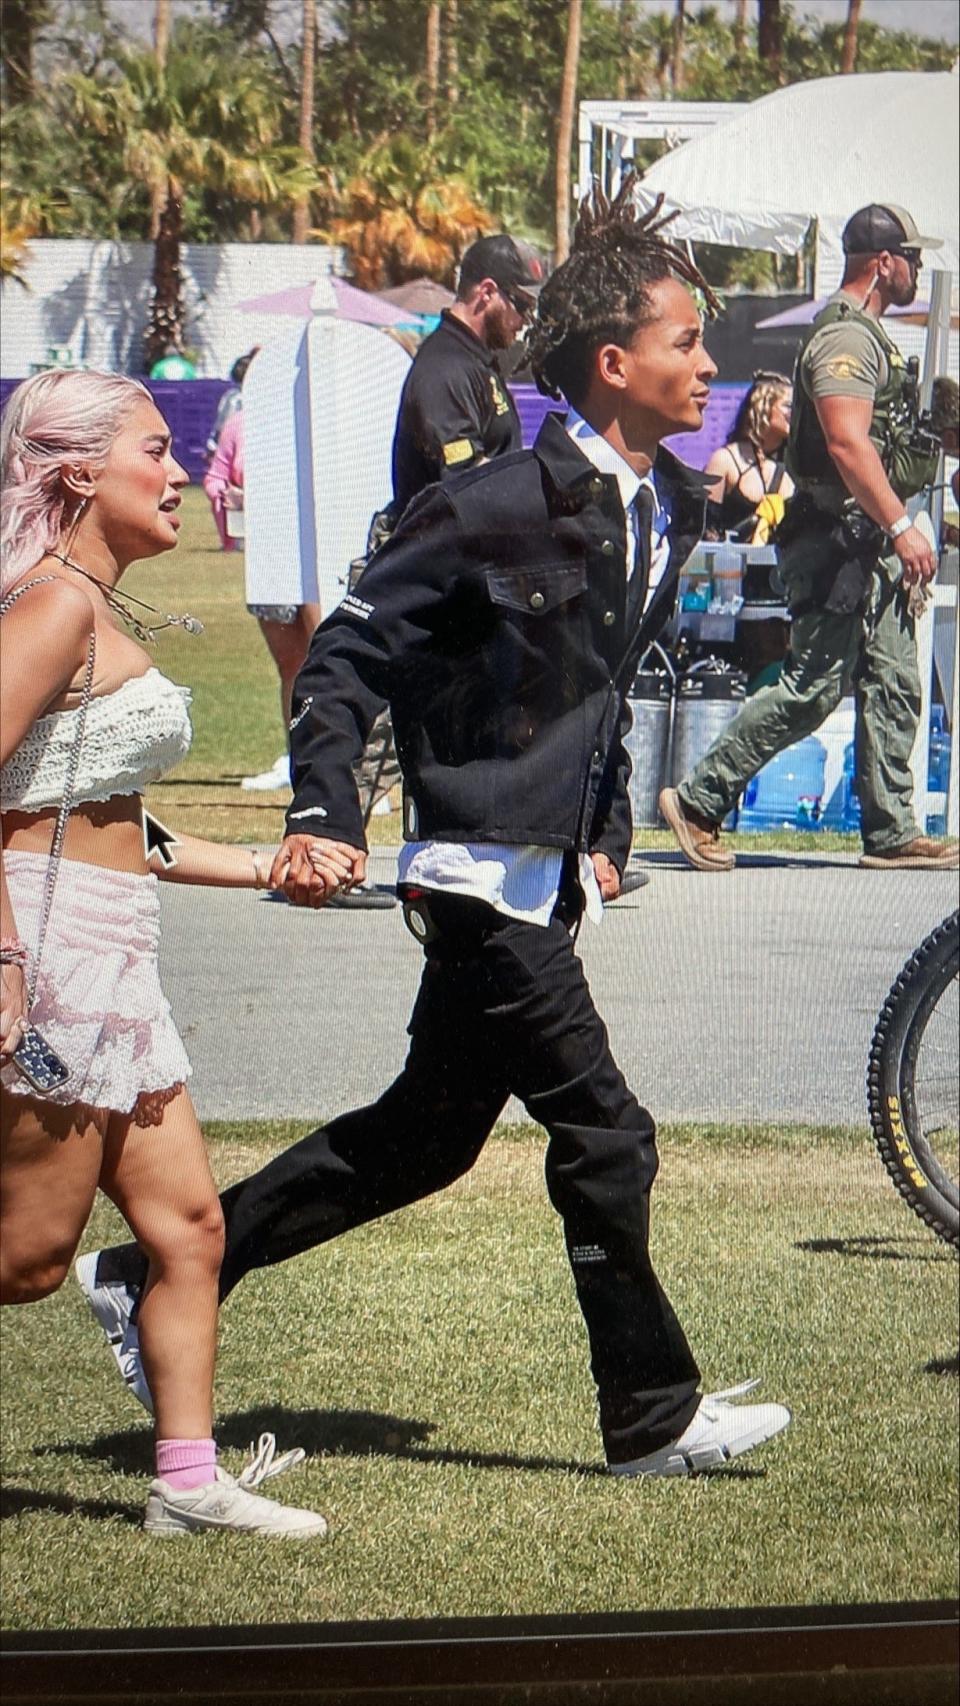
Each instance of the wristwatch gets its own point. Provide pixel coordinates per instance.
(899, 526)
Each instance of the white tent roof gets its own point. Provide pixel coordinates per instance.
(822, 149)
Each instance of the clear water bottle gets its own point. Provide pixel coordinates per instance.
(788, 792)
(850, 808)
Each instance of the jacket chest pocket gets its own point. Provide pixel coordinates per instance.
(537, 588)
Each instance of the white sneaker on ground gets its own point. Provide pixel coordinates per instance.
(278, 776)
(228, 1503)
(113, 1306)
(719, 1430)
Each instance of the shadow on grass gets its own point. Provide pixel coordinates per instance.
(671, 859)
(943, 1365)
(875, 1249)
(334, 1433)
(17, 1501)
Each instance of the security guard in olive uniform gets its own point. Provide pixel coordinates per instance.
(455, 409)
(855, 568)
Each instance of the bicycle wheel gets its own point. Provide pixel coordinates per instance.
(912, 1081)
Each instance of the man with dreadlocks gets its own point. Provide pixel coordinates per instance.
(503, 621)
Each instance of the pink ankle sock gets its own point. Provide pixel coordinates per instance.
(186, 1463)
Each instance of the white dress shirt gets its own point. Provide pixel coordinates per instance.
(521, 881)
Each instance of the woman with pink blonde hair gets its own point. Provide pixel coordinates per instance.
(92, 1070)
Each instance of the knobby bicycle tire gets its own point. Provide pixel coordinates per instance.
(912, 1081)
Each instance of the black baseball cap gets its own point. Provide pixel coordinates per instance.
(500, 258)
(882, 226)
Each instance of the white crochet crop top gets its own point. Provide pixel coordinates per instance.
(132, 736)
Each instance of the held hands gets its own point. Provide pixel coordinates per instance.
(13, 1008)
(311, 870)
(607, 875)
(917, 555)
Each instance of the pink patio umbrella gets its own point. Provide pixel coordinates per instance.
(298, 301)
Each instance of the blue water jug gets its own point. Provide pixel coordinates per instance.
(938, 772)
(788, 792)
(850, 807)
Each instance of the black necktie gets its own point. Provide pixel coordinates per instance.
(643, 508)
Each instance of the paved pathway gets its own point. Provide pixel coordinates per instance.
(750, 996)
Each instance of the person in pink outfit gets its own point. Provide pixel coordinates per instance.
(92, 1069)
(223, 481)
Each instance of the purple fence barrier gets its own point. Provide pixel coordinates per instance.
(695, 448)
(187, 405)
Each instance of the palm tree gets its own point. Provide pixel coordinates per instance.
(676, 66)
(770, 35)
(432, 66)
(568, 97)
(848, 56)
(15, 232)
(187, 126)
(301, 211)
(399, 217)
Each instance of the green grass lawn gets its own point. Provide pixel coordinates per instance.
(236, 706)
(434, 1367)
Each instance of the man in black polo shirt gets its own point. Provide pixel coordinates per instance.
(455, 409)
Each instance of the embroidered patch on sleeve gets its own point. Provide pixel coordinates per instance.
(846, 367)
(458, 450)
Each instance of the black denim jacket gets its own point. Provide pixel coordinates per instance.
(497, 622)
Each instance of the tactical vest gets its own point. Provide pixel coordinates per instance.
(895, 417)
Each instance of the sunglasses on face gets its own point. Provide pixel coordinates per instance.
(913, 258)
(521, 304)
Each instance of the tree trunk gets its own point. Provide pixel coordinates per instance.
(740, 28)
(432, 67)
(676, 64)
(848, 57)
(161, 31)
(19, 21)
(452, 52)
(301, 211)
(161, 42)
(568, 101)
(770, 34)
(625, 26)
(166, 308)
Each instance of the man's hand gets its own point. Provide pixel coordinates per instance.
(918, 557)
(311, 870)
(607, 875)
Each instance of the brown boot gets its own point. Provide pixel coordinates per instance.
(920, 854)
(699, 838)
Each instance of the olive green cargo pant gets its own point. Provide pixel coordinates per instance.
(872, 653)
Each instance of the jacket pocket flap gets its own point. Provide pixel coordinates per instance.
(537, 587)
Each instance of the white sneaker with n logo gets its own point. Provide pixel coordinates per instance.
(229, 1504)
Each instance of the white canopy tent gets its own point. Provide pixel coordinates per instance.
(817, 151)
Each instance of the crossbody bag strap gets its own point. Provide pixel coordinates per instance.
(66, 803)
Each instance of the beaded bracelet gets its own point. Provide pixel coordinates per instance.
(13, 952)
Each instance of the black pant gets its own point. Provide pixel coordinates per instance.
(503, 1008)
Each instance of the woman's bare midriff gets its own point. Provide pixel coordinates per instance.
(99, 832)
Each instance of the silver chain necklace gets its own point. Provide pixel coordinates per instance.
(144, 631)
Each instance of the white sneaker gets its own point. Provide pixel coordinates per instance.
(228, 1503)
(113, 1306)
(719, 1430)
(278, 776)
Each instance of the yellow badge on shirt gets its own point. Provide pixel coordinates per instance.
(458, 450)
(500, 403)
(845, 367)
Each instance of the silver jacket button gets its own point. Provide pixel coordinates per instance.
(609, 618)
(608, 547)
(537, 601)
(596, 485)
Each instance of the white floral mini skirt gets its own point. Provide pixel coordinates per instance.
(99, 1003)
